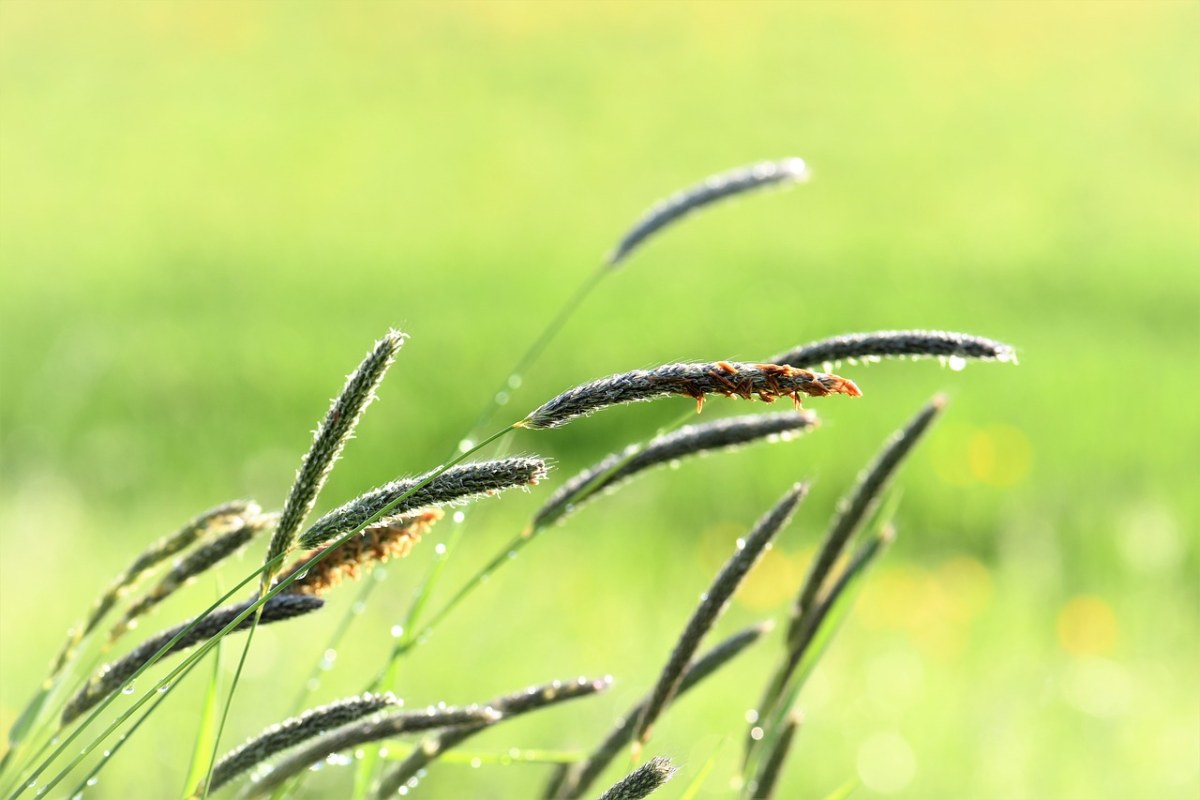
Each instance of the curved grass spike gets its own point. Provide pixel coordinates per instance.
(112, 676)
(330, 438)
(187, 569)
(571, 781)
(452, 485)
(642, 782)
(889, 344)
(711, 190)
(763, 785)
(297, 730)
(213, 522)
(732, 379)
(389, 538)
(412, 722)
(509, 706)
(690, 440)
(713, 604)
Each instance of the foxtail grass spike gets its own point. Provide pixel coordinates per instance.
(297, 730)
(764, 784)
(509, 706)
(715, 599)
(212, 522)
(414, 722)
(328, 441)
(732, 379)
(642, 782)
(891, 344)
(689, 440)
(391, 537)
(712, 190)
(571, 781)
(112, 676)
(455, 485)
(197, 562)
(854, 509)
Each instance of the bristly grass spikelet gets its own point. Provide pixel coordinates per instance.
(642, 782)
(711, 190)
(713, 604)
(297, 730)
(523, 702)
(732, 379)
(889, 344)
(854, 509)
(112, 676)
(454, 485)
(687, 441)
(213, 522)
(328, 441)
(571, 781)
(195, 563)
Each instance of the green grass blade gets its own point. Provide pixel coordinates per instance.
(206, 738)
(693, 789)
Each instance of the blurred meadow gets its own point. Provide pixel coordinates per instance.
(208, 211)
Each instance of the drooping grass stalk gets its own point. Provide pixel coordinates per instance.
(509, 706)
(801, 655)
(690, 440)
(389, 538)
(573, 781)
(712, 605)
(732, 379)
(613, 470)
(336, 429)
(857, 507)
(431, 719)
(295, 731)
(763, 785)
(889, 344)
(642, 782)
(113, 676)
(186, 570)
(194, 658)
(711, 190)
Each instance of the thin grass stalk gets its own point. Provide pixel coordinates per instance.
(857, 507)
(112, 676)
(711, 190)
(193, 659)
(412, 722)
(617, 468)
(573, 781)
(509, 706)
(187, 569)
(328, 441)
(712, 605)
(642, 782)
(891, 344)
(295, 731)
(767, 382)
(763, 785)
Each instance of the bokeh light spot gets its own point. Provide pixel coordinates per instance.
(1087, 626)
(886, 763)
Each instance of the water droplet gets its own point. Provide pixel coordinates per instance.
(397, 631)
(459, 516)
(741, 544)
(957, 363)
(476, 763)
(751, 716)
(512, 554)
(673, 464)
(514, 381)
(403, 790)
(440, 549)
(92, 781)
(164, 688)
(501, 398)
(313, 684)
(465, 445)
(128, 689)
(756, 733)
(358, 608)
(380, 574)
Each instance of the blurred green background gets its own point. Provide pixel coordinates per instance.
(208, 211)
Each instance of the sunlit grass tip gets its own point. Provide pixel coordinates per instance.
(690, 440)
(711, 190)
(767, 382)
(112, 676)
(454, 485)
(642, 782)
(335, 430)
(953, 347)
